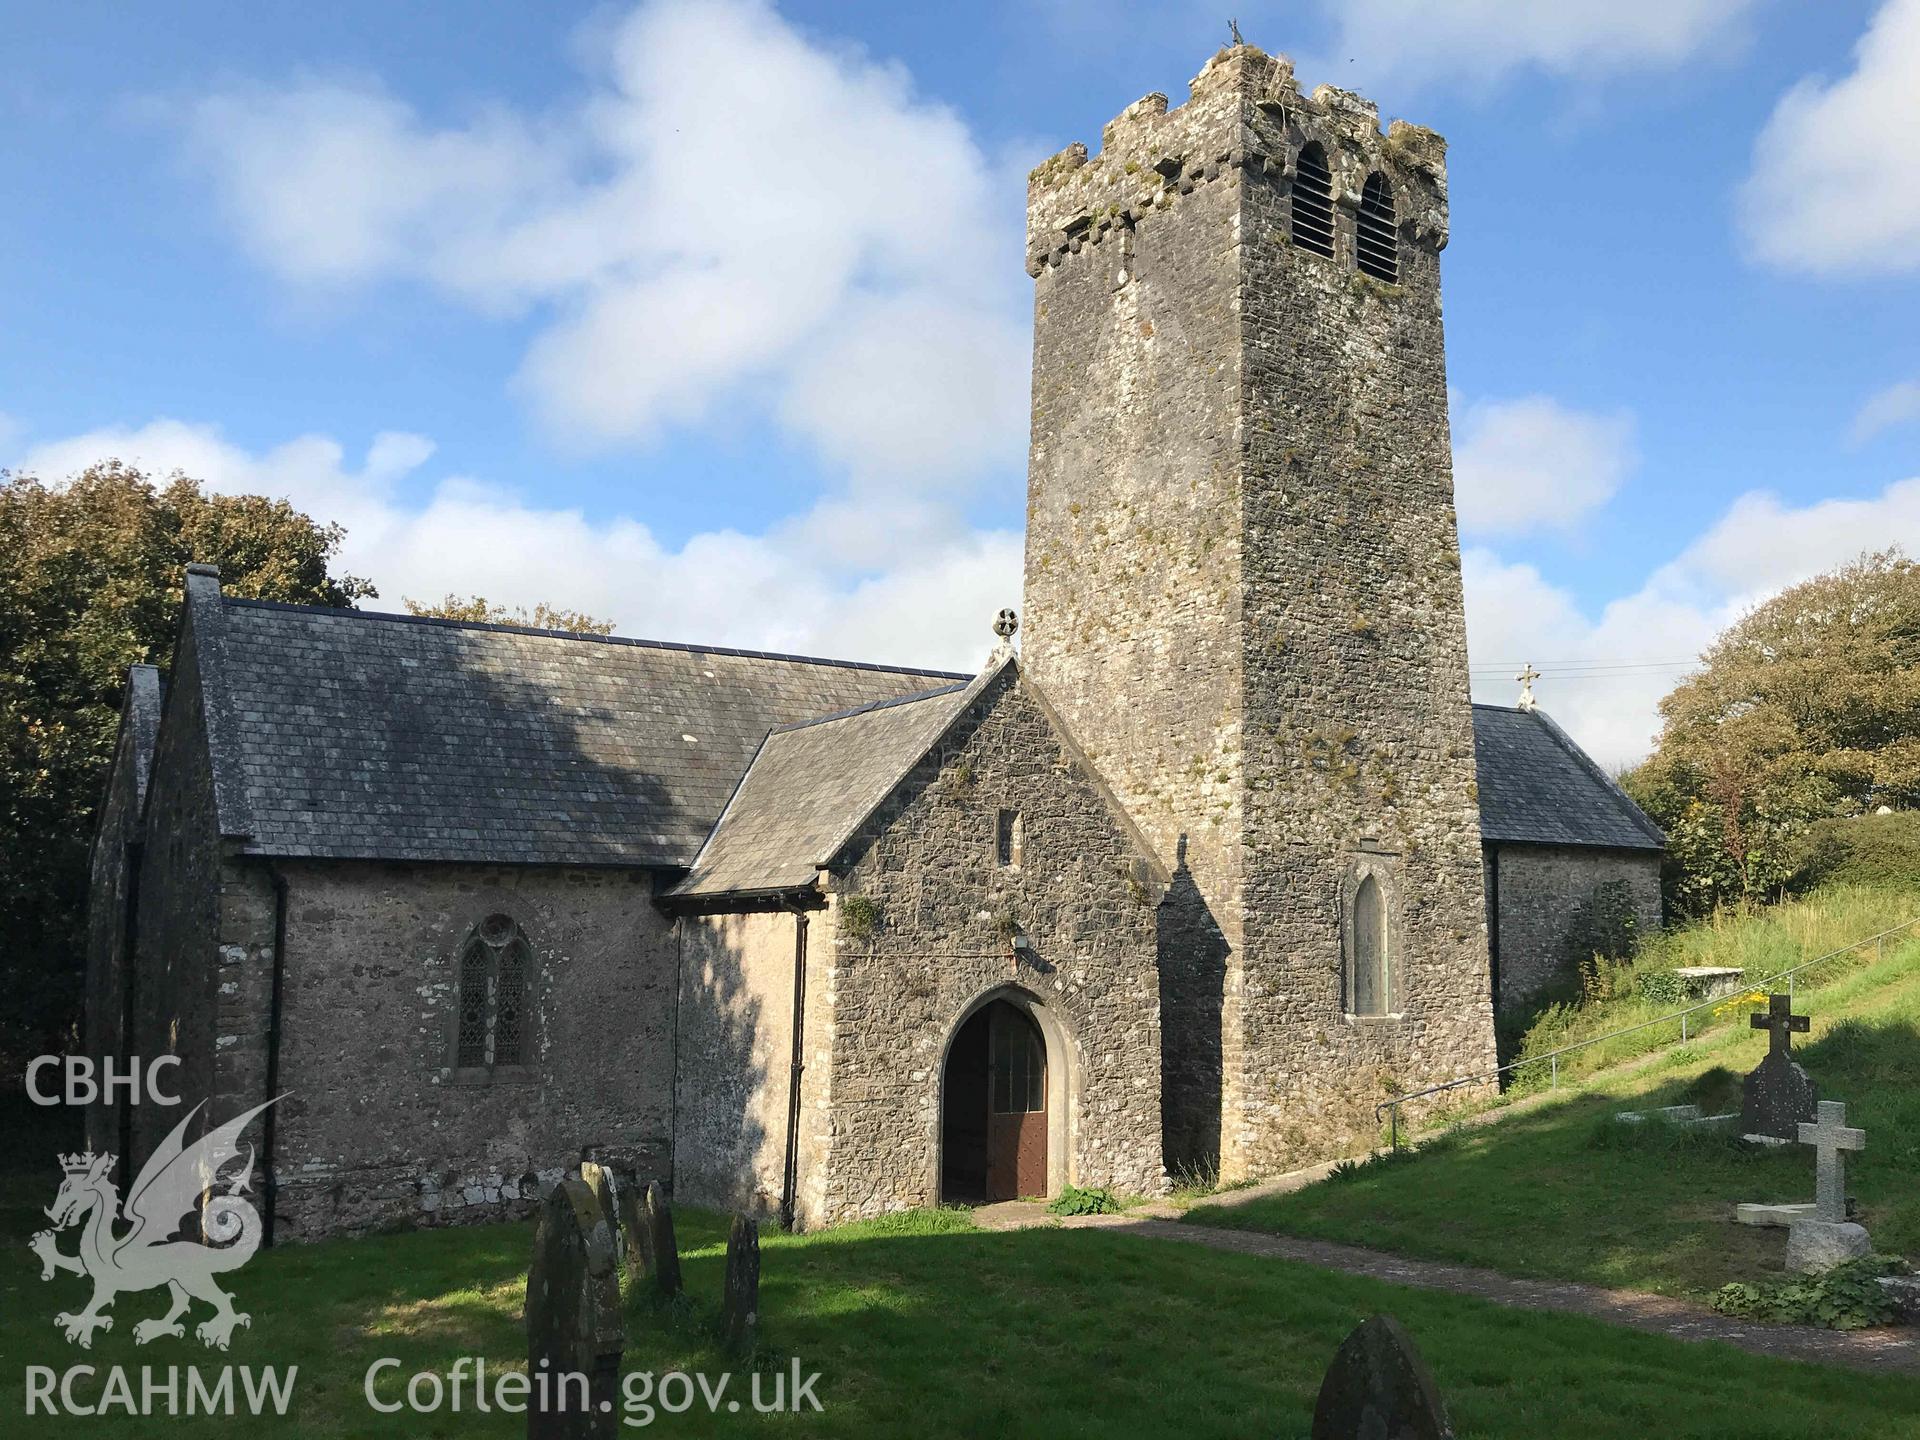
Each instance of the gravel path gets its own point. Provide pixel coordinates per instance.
(1890, 1351)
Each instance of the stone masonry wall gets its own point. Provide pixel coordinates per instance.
(1132, 595)
(1538, 891)
(377, 1130)
(1084, 895)
(735, 1047)
(1360, 729)
(115, 852)
(177, 951)
(1243, 583)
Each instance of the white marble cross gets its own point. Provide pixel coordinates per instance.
(1526, 678)
(1830, 1135)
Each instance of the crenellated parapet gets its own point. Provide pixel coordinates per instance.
(1245, 113)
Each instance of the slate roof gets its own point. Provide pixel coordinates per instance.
(1539, 788)
(346, 733)
(140, 712)
(812, 785)
(351, 734)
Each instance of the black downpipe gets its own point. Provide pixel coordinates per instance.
(673, 1059)
(790, 1183)
(271, 1183)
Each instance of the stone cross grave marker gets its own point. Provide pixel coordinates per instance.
(1782, 1024)
(1831, 1137)
(1827, 1238)
(574, 1328)
(740, 1299)
(1779, 1094)
(1379, 1386)
(665, 1256)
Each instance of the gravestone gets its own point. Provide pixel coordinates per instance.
(607, 1188)
(1778, 1096)
(574, 1331)
(740, 1299)
(1827, 1238)
(631, 1197)
(1378, 1388)
(664, 1257)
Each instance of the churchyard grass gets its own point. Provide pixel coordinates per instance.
(922, 1325)
(1556, 1188)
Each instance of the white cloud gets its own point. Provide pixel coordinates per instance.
(1757, 548)
(810, 582)
(807, 584)
(1478, 41)
(1895, 405)
(732, 214)
(1534, 464)
(1834, 190)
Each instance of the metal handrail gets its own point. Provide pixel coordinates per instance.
(1683, 1016)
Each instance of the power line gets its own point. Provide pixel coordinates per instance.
(1583, 664)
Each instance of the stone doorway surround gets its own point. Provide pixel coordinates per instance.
(1062, 1086)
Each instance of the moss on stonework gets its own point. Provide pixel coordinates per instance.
(859, 917)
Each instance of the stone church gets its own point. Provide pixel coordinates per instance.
(1218, 859)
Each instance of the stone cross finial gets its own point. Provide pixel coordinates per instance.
(1831, 1137)
(1781, 1020)
(1526, 677)
(1004, 624)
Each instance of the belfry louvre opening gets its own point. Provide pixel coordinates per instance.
(1313, 202)
(1377, 243)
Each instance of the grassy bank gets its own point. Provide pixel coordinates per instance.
(1557, 1189)
(1762, 942)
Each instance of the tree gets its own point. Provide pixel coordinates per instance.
(90, 583)
(1808, 707)
(542, 617)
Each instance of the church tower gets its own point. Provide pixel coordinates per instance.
(1243, 591)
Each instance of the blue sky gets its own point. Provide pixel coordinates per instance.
(711, 317)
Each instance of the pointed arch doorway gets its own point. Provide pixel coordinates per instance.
(995, 1104)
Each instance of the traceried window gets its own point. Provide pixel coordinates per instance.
(496, 975)
(1377, 238)
(1313, 202)
(1370, 991)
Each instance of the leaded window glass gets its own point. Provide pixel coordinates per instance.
(495, 977)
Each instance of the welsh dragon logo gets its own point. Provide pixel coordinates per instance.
(148, 1255)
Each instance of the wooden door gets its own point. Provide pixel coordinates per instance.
(1016, 1104)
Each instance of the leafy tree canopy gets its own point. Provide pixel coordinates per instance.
(90, 583)
(1808, 707)
(541, 617)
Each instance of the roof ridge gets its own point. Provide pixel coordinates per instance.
(871, 705)
(488, 625)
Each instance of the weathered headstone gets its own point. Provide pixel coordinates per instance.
(574, 1331)
(606, 1188)
(1779, 1095)
(1827, 1238)
(664, 1261)
(740, 1299)
(1378, 1388)
(631, 1197)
